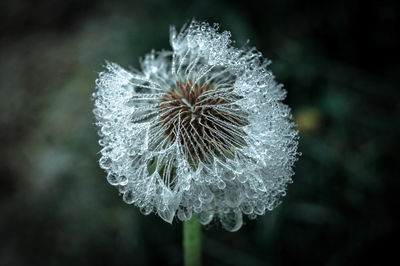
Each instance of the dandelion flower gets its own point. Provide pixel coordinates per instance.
(199, 130)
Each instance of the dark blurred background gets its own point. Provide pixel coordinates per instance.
(339, 61)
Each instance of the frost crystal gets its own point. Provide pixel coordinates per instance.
(200, 129)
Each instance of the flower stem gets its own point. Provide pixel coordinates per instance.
(192, 242)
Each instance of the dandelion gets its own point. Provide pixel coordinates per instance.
(200, 130)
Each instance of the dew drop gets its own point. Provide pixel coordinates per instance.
(242, 178)
(246, 208)
(233, 198)
(206, 196)
(205, 217)
(113, 179)
(253, 216)
(184, 214)
(122, 189)
(146, 210)
(259, 209)
(105, 162)
(128, 197)
(123, 180)
(221, 184)
(167, 215)
(232, 221)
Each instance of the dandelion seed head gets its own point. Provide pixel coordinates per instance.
(197, 130)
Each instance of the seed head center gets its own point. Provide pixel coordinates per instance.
(199, 117)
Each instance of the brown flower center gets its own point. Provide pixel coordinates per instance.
(204, 120)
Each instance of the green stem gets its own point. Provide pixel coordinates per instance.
(192, 242)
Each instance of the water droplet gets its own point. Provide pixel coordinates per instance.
(205, 217)
(167, 215)
(259, 209)
(233, 198)
(246, 208)
(221, 184)
(123, 180)
(105, 162)
(184, 214)
(146, 210)
(206, 196)
(128, 197)
(232, 221)
(122, 189)
(242, 178)
(113, 179)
